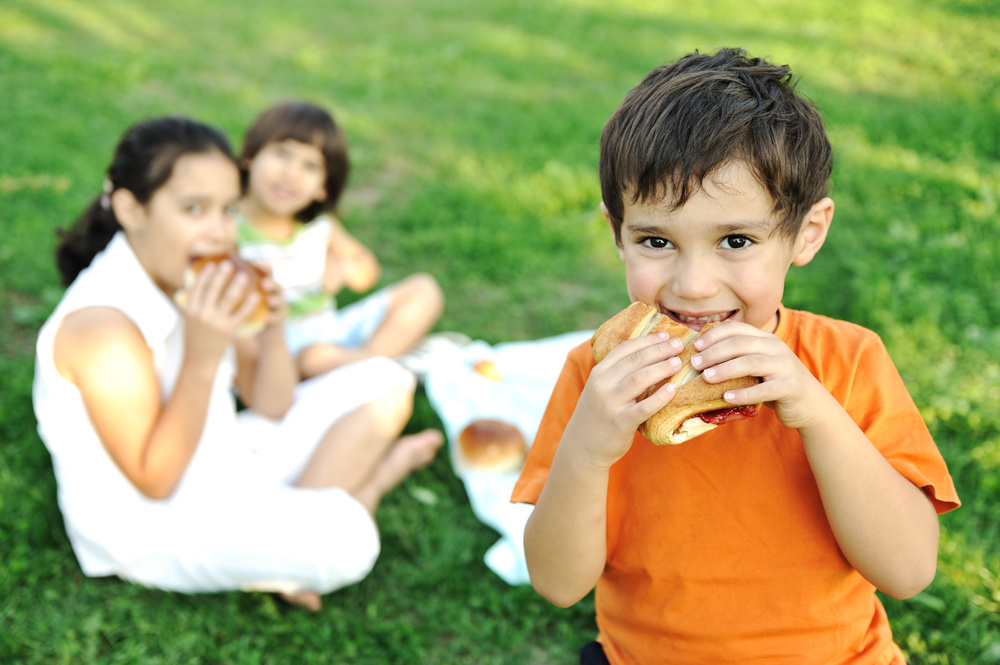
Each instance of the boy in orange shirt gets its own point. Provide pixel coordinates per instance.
(761, 541)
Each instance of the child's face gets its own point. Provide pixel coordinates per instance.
(286, 176)
(192, 214)
(717, 258)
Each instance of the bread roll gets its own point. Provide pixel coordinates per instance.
(492, 445)
(257, 320)
(698, 405)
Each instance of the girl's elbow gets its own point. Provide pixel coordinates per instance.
(156, 491)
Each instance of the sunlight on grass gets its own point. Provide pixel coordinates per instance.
(131, 29)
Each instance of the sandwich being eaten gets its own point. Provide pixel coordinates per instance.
(697, 407)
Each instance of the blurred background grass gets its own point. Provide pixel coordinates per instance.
(474, 131)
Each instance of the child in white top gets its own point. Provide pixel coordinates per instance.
(294, 167)
(161, 481)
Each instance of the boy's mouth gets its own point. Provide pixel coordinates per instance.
(699, 321)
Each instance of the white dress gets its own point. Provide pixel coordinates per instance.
(234, 521)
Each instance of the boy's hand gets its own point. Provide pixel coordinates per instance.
(607, 415)
(734, 349)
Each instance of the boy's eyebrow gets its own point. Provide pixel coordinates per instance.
(728, 228)
(755, 225)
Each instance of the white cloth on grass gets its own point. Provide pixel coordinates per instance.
(459, 394)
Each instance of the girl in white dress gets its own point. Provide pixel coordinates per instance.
(161, 481)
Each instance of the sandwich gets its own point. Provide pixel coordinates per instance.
(697, 407)
(257, 320)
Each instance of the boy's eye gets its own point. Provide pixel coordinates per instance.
(656, 243)
(736, 242)
(231, 211)
(195, 209)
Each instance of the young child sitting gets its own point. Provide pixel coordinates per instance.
(763, 540)
(161, 481)
(294, 167)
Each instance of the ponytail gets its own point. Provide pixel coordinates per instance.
(143, 162)
(79, 245)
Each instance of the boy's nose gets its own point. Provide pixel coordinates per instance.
(693, 279)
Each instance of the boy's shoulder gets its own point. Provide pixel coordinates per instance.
(797, 326)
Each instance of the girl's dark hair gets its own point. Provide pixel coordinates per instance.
(143, 162)
(687, 119)
(305, 123)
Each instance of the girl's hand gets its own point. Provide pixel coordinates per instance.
(275, 301)
(608, 414)
(218, 302)
(734, 349)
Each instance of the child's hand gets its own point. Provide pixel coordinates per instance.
(218, 302)
(607, 415)
(275, 301)
(735, 349)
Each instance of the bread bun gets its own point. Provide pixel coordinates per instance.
(492, 445)
(698, 405)
(257, 320)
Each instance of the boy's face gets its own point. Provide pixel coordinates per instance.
(716, 258)
(286, 176)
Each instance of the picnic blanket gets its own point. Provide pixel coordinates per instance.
(459, 395)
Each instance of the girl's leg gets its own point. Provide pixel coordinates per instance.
(416, 305)
(353, 446)
(362, 452)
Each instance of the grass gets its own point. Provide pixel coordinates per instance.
(474, 130)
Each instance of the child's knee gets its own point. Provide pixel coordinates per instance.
(425, 288)
(396, 406)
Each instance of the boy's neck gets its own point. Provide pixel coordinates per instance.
(276, 226)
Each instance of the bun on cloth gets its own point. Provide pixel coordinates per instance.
(257, 320)
(492, 445)
(697, 407)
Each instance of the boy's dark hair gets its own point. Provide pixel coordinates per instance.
(305, 123)
(143, 162)
(687, 119)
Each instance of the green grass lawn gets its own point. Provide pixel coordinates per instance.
(474, 130)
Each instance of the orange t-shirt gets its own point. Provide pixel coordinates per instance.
(718, 550)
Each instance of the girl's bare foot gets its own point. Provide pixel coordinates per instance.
(407, 455)
(307, 600)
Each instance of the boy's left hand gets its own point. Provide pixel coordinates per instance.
(735, 349)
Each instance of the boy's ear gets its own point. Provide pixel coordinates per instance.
(812, 235)
(127, 209)
(607, 218)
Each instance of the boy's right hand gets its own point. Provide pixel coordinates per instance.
(218, 302)
(608, 414)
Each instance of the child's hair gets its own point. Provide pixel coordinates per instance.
(143, 162)
(687, 119)
(305, 123)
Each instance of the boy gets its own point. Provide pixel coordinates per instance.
(762, 541)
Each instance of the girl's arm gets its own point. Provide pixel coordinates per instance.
(266, 374)
(349, 263)
(102, 352)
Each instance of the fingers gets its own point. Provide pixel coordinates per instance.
(220, 298)
(636, 365)
(736, 350)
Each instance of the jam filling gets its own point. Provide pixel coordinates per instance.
(720, 416)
